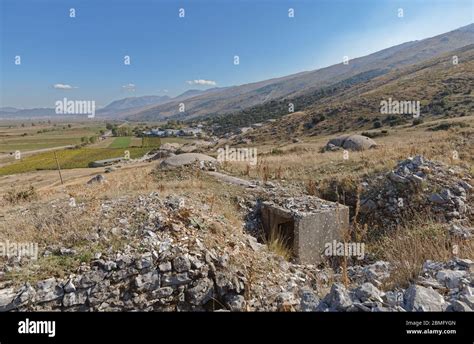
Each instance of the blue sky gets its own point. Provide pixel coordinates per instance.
(167, 52)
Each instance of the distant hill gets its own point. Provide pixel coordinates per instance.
(117, 109)
(8, 109)
(134, 102)
(238, 98)
(123, 108)
(190, 93)
(12, 113)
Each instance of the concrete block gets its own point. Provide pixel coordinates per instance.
(308, 223)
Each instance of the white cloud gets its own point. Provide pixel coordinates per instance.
(129, 87)
(202, 82)
(63, 87)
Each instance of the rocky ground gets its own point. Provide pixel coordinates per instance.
(175, 254)
(417, 186)
(180, 259)
(176, 257)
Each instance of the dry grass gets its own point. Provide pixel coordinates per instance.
(409, 247)
(20, 195)
(308, 163)
(218, 196)
(323, 174)
(279, 244)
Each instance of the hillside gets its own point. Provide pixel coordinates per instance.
(133, 102)
(237, 98)
(443, 89)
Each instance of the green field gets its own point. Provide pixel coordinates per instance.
(68, 158)
(121, 142)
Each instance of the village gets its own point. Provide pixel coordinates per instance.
(196, 131)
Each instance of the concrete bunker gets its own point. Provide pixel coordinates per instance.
(307, 223)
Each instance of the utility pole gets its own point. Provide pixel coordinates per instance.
(59, 168)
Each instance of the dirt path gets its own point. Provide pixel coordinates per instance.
(42, 150)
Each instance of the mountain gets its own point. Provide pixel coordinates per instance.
(135, 102)
(443, 89)
(117, 109)
(13, 113)
(190, 93)
(238, 98)
(128, 106)
(9, 109)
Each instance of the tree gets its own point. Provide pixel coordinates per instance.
(122, 131)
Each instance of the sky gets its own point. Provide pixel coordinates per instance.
(83, 57)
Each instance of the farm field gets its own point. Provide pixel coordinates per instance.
(181, 140)
(125, 142)
(68, 158)
(135, 142)
(121, 142)
(40, 136)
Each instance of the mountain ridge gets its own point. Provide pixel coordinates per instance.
(237, 98)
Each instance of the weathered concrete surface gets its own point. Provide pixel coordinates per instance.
(307, 231)
(352, 142)
(185, 159)
(315, 230)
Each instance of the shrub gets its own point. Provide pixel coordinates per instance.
(14, 196)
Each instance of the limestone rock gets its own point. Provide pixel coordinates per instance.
(421, 299)
(48, 290)
(185, 159)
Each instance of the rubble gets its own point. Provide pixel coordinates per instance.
(421, 299)
(173, 259)
(418, 185)
(167, 264)
(205, 162)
